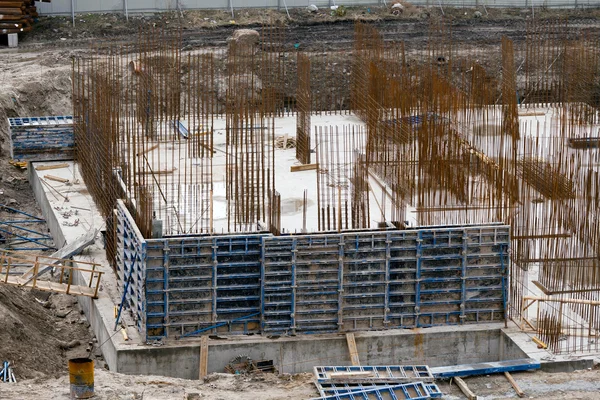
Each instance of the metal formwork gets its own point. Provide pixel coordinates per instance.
(412, 391)
(203, 284)
(374, 280)
(41, 138)
(260, 283)
(131, 263)
(332, 389)
(374, 374)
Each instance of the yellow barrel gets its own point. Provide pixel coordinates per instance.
(81, 377)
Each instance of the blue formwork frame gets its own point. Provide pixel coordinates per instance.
(456, 310)
(463, 292)
(315, 283)
(41, 138)
(294, 286)
(215, 265)
(340, 320)
(388, 256)
(418, 278)
(166, 264)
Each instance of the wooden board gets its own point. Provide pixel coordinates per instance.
(514, 384)
(464, 388)
(353, 350)
(47, 167)
(56, 178)
(203, 357)
(304, 167)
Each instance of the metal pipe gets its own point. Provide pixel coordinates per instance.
(126, 10)
(3, 206)
(218, 325)
(73, 12)
(286, 9)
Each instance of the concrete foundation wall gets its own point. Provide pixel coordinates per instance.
(433, 346)
(46, 208)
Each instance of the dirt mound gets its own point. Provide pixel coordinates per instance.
(245, 36)
(40, 331)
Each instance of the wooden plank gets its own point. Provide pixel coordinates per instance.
(352, 347)
(514, 384)
(56, 178)
(157, 172)
(148, 150)
(304, 167)
(18, 4)
(464, 388)
(532, 114)
(549, 292)
(52, 287)
(352, 374)
(540, 344)
(203, 357)
(564, 301)
(47, 167)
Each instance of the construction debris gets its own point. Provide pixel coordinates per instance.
(285, 142)
(240, 364)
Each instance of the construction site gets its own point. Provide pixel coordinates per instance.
(336, 203)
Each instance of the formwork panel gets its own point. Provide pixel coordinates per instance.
(319, 283)
(205, 283)
(385, 279)
(41, 138)
(131, 264)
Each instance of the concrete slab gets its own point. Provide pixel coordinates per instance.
(549, 361)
